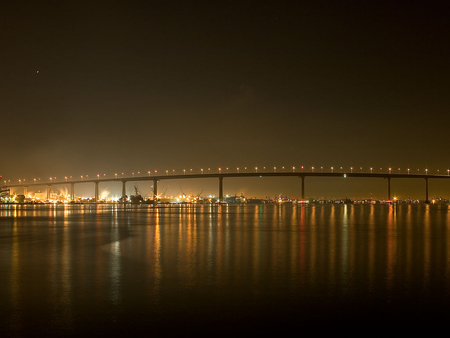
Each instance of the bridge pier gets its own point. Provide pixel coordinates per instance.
(25, 191)
(124, 189)
(72, 191)
(389, 188)
(220, 189)
(96, 192)
(426, 191)
(155, 189)
(49, 188)
(303, 187)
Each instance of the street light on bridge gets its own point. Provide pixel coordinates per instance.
(293, 169)
(390, 170)
(371, 170)
(408, 170)
(332, 169)
(312, 169)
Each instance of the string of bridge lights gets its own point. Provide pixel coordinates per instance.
(220, 170)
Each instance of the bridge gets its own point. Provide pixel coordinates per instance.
(220, 176)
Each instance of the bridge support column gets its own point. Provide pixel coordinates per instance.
(155, 189)
(25, 191)
(426, 191)
(72, 191)
(49, 188)
(303, 187)
(389, 188)
(220, 189)
(96, 192)
(124, 189)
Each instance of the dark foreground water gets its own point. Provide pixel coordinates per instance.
(215, 270)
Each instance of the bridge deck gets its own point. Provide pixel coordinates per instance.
(233, 175)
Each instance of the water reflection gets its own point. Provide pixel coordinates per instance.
(102, 263)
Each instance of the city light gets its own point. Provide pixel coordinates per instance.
(53, 179)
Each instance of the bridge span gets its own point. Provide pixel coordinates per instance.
(220, 176)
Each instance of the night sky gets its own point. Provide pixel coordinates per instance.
(125, 86)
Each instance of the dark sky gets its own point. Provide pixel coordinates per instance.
(137, 85)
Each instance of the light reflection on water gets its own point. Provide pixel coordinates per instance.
(102, 267)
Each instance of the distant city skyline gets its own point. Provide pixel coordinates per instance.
(317, 187)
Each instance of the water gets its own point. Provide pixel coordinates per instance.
(213, 270)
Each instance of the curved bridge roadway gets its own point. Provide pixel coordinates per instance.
(221, 176)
